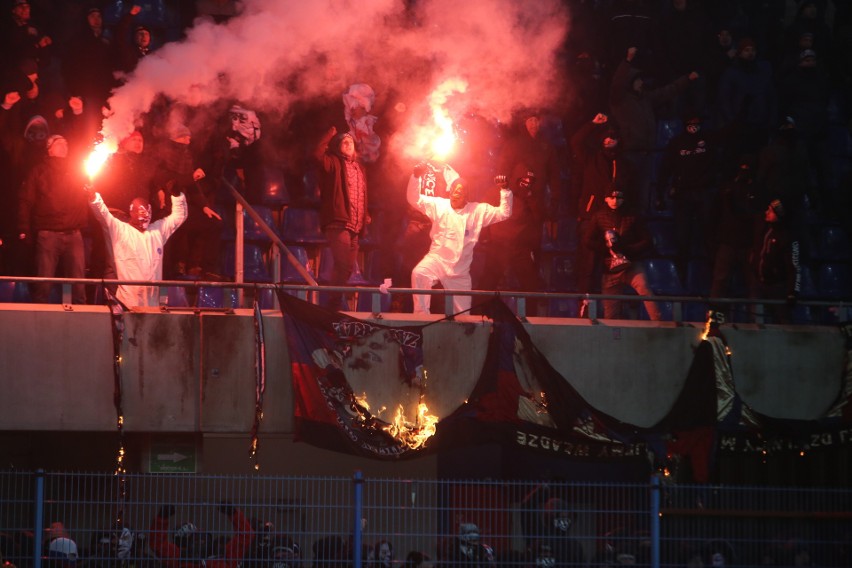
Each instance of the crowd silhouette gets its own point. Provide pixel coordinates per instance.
(722, 127)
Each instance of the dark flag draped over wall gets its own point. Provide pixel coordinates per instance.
(324, 346)
(519, 400)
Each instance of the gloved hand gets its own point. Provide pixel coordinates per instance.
(501, 181)
(419, 170)
(227, 508)
(166, 511)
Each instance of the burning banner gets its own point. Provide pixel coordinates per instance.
(329, 353)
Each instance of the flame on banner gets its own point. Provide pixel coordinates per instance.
(97, 157)
(416, 434)
(438, 138)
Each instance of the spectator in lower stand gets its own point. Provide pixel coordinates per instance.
(188, 547)
(137, 245)
(456, 226)
(734, 231)
(467, 550)
(52, 213)
(776, 262)
(634, 109)
(382, 554)
(62, 553)
(343, 209)
(597, 155)
(513, 246)
(622, 239)
(688, 177)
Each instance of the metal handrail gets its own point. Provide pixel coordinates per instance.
(520, 297)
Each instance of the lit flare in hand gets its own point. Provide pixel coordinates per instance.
(437, 139)
(97, 157)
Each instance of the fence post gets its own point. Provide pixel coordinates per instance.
(359, 515)
(38, 529)
(655, 521)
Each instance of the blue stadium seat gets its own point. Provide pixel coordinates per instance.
(176, 297)
(7, 291)
(209, 297)
(559, 236)
(310, 190)
(301, 226)
(289, 274)
(662, 231)
(255, 268)
(275, 192)
(831, 244)
(662, 277)
(699, 277)
(834, 281)
(252, 230)
(562, 277)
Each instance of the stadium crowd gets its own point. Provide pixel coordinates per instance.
(699, 149)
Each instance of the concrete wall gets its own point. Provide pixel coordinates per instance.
(192, 374)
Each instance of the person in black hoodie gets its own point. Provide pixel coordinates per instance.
(621, 238)
(776, 262)
(53, 211)
(688, 176)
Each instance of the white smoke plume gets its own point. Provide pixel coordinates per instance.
(277, 53)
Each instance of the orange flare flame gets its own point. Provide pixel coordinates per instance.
(98, 157)
(416, 434)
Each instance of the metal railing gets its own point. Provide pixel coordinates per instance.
(339, 521)
(677, 308)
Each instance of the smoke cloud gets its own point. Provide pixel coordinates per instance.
(278, 53)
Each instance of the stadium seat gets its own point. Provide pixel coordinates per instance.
(255, 268)
(662, 277)
(7, 291)
(562, 277)
(275, 192)
(831, 244)
(559, 236)
(662, 231)
(834, 281)
(176, 297)
(252, 230)
(301, 226)
(289, 274)
(210, 297)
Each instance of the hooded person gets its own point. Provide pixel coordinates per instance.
(633, 107)
(456, 227)
(343, 204)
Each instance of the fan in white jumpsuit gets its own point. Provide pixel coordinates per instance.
(456, 224)
(139, 253)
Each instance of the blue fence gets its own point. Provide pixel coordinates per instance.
(182, 520)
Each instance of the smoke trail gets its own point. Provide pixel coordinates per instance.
(279, 52)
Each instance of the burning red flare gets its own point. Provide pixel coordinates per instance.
(98, 157)
(437, 139)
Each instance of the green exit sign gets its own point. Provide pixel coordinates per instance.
(173, 458)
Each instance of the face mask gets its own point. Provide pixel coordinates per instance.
(562, 524)
(693, 128)
(545, 562)
(245, 123)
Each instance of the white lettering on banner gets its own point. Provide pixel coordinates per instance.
(584, 450)
(805, 442)
(349, 329)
